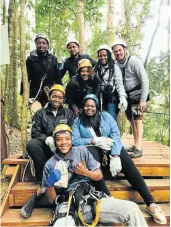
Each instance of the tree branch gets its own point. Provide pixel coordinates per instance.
(152, 38)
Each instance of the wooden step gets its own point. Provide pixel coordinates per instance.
(160, 190)
(21, 192)
(42, 216)
(15, 161)
(9, 171)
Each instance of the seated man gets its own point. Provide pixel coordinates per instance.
(63, 174)
(41, 146)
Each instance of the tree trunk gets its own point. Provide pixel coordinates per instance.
(50, 24)
(110, 19)
(3, 12)
(81, 25)
(3, 134)
(168, 59)
(24, 77)
(8, 84)
(154, 33)
(127, 21)
(14, 113)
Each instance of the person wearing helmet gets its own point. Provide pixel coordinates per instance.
(42, 70)
(85, 82)
(71, 63)
(99, 132)
(136, 85)
(82, 168)
(113, 93)
(41, 146)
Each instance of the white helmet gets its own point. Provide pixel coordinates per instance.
(72, 41)
(104, 47)
(118, 42)
(43, 36)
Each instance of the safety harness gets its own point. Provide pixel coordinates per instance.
(81, 195)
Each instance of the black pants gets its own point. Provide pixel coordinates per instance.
(40, 153)
(130, 171)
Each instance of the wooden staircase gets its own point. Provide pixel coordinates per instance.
(154, 166)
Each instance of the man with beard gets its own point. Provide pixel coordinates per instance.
(42, 70)
(71, 63)
(136, 84)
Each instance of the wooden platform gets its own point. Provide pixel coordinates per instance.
(154, 165)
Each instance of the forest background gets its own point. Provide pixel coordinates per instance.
(92, 22)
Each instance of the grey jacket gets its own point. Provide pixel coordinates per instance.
(135, 74)
(116, 81)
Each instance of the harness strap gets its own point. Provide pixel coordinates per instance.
(94, 223)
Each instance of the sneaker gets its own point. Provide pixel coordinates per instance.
(137, 153)
(27, 209)
(156, 213)
(131, 149)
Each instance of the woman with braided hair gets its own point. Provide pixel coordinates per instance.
(112, 89)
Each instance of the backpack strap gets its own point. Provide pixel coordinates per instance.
(123, 69)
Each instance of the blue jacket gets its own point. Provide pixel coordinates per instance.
(81, 134)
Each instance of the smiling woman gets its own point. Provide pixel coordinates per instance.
(85, 82)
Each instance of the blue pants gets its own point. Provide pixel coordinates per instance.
(113, 109)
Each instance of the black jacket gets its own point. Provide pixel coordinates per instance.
(37, 67)
(44, 121)
(77, 89)
(71, 64)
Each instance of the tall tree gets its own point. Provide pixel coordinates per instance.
(135, 14)
(8, 79)
(24, 77)
(14, 56)
(154, 33)
(110, 19)
(3, 12)
(81, 25)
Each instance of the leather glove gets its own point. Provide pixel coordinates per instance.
(54, 176)
(115, 165)
(76, 110)
(123, 104)
(104, 143)
(50, 142)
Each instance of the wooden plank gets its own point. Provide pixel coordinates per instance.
(21, 199)
(152, 184)
(15, 161)
(11, 200)
(24, 187)
(10, 171)
(151, 161)
(154, 171)
(41, 217)
(160, 190)
(119, 185)
(14, 179)
(149, 219)
(158, 195)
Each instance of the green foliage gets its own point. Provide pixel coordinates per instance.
(99, 37)
(157, 126)
(136, 13)
(58, 19)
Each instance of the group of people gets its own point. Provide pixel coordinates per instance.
(75, 146)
